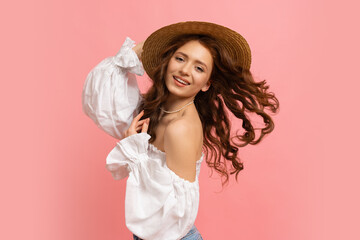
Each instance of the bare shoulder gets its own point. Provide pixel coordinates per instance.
(185, 132)
(182, 127)
(182, 144)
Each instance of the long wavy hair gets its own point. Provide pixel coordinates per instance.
(232, 89)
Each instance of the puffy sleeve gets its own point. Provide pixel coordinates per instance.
(110, 95)
(158, 203)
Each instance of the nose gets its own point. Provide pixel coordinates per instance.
(185, 69)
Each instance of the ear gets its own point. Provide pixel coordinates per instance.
(206, 86)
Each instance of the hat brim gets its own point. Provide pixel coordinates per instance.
(233, 42)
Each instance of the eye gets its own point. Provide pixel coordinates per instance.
(199, 69)
(180, 59)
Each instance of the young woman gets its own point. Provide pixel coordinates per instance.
(200, 73)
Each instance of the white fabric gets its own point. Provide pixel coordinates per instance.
(111, 94)
(158, 204)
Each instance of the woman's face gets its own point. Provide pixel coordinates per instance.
(189, 70)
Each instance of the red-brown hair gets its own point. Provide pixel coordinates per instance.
(232, 88)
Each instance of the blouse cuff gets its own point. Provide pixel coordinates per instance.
(127, 58)
(126, 155)
(135, 145)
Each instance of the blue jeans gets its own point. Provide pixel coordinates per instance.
(193, 234)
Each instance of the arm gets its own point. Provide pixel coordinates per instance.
(181, 147)
(116, 161)
(110, 94)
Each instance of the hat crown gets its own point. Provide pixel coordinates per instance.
(233, 42)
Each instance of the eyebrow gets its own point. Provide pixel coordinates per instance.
(198, 61)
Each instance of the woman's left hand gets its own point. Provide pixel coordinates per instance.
(139, 49)
(138, 125)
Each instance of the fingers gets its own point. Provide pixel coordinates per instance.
(138, 125)
(136, 120)
(145, 126)
(142, 121)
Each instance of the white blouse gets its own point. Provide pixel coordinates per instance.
(158, 203)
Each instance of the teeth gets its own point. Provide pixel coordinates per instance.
(179, 80)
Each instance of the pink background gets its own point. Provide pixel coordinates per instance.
(301, 182)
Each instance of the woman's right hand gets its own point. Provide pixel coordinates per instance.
(138, 125)
(138, 49)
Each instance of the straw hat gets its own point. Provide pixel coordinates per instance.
(232, 41)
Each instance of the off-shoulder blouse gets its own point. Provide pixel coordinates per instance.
(158, 203)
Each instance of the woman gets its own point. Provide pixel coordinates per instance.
(198, 70)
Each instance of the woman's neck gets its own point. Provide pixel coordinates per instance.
(174, 103)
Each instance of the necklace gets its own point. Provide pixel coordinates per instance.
(178, 110)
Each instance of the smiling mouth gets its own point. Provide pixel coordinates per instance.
(181, 81)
